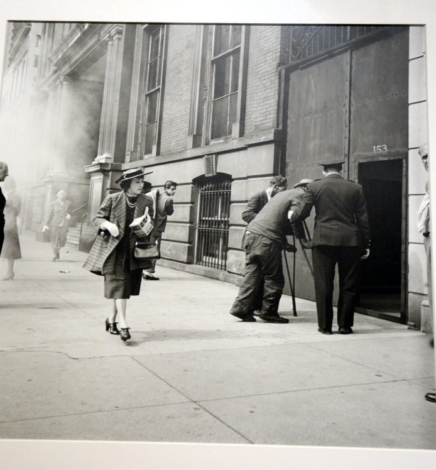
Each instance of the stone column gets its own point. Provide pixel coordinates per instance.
(59, 140)
(111, 96)
(57, 177)
(103, 177)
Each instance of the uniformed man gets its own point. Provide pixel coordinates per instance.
(341, 237)
(264, 241)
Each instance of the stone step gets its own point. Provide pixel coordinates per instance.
(73, 234)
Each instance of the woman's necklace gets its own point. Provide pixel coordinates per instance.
(131, 201)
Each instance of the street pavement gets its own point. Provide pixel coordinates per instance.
(194, 374)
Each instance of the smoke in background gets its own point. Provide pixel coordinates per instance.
(49, 131)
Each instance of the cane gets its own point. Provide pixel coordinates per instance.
(306, 257)
(306, 230)
(291, 285)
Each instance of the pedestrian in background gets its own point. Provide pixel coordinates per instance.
(254, 205)
(257, 202)
(424, 228)
(424, 225)
(3, 174)
(112, 254)
(57, 223)
(11, 246)
(163, 202)
(341, 237)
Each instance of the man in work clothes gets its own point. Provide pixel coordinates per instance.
(341, 236)
(264, 241)
(163, 202)
(254, 205)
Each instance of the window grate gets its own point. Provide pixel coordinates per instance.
(309, 41)
(213, 224)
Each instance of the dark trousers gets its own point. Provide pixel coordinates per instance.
(151, 268)
(325, 258)
(263, 262)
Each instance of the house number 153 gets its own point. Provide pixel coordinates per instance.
(380, 148)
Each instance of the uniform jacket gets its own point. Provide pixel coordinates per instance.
(272, 221)
(101, 258)
(254, 205)
(57, 213)
(341, 218)
(164, 208)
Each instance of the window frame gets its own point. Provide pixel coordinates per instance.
(237, 127)
(142, 143)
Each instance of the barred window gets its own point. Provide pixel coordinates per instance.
(312, 40)
(213, 222)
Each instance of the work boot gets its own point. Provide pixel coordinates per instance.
(273, 318)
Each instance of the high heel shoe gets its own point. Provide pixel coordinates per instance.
(9, 278)
(124, 334)
(111, 327)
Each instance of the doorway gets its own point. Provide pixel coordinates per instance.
(382, 274)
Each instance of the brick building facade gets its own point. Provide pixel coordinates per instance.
(220, 109)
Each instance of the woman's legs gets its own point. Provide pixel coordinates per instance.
(113, 315)
(120, 306)
(10, 272)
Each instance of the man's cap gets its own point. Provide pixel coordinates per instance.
(331, 163)
(303, 182)
(132, 173)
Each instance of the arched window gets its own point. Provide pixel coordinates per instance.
(213, 220)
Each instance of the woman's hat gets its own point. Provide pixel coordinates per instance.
(303, 182)
(132, 173)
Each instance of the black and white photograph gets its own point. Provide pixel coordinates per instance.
(216, 235)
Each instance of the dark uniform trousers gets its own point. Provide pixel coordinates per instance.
(263, 260)
(325, 258)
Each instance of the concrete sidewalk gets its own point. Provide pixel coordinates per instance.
(193, 373)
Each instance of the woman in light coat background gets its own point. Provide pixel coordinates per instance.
(11, 246)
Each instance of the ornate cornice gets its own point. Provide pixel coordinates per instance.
(18, 39)
(77, 51)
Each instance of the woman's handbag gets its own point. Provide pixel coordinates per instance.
(147, 251)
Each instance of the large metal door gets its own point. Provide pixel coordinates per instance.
(317, 127)
(351, 105)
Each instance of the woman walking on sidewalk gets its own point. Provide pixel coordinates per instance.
(11, 247)
(112, 254)
(57, 222)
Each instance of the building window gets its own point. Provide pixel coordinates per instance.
(228, 66)
(213, 222)
(154, 41)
